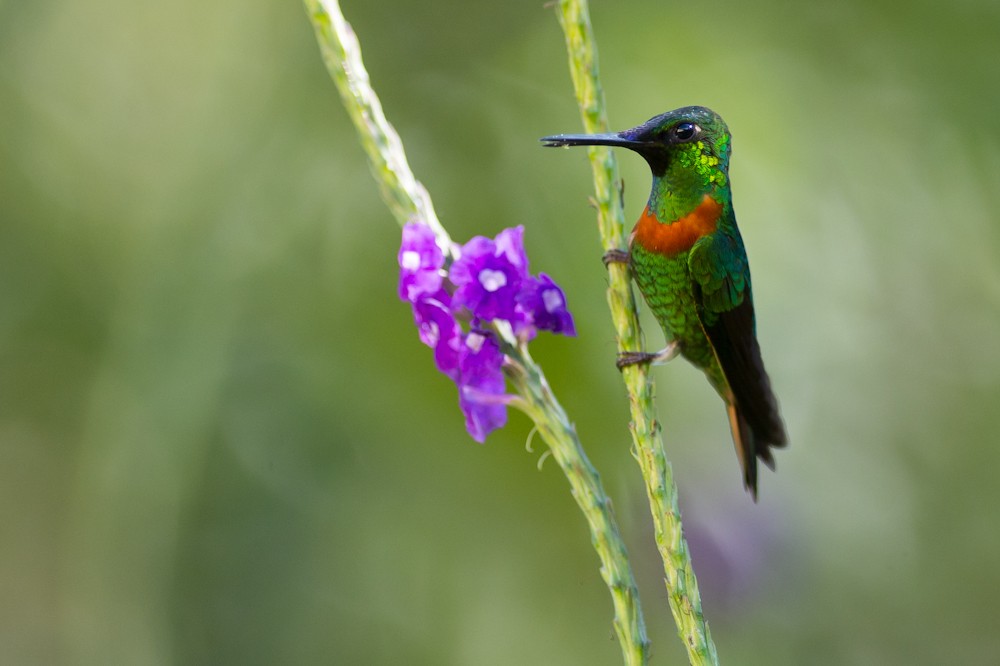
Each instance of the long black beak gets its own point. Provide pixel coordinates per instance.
(610, 139)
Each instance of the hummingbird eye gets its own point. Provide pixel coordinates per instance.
(685, 132)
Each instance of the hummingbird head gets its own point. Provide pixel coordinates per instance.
(685, 142)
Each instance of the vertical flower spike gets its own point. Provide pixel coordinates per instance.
(488, 283)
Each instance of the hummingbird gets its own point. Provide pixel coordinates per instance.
(687, 257)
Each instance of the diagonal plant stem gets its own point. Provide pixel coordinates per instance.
(405, 196)
(682, 586)
(408, 200)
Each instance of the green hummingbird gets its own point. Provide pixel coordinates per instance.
(687, 257)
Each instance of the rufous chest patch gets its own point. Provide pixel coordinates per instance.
(678, 236)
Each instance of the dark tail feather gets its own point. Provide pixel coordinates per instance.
(753, 409)
(752, 444)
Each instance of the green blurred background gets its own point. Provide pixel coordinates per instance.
(222, 443)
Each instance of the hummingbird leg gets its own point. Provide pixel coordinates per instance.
(628, 358)
(615, 257)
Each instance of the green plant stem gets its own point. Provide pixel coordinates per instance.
(408, 200)
(405, 196)
(682, 586)
(541, 405)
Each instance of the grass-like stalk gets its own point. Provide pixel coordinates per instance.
(682, 586)
(405, 196)
(408, 200)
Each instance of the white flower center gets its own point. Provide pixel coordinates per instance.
(433, 333)
(410, 260)
(492, 280)
(552, 300)
(474, 341)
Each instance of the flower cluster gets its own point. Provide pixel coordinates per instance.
(488, 281)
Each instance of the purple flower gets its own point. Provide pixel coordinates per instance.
(488, 276)
(489, 281)
(420, 262)
(510, 243)
(439, 331)
(545, 304)
(481, 385)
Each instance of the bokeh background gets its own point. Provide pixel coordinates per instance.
(222, 443)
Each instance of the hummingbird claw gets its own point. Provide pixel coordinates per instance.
(627, 358)
(615, 257)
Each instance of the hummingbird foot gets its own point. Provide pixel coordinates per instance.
(628, 358)
(615, 257)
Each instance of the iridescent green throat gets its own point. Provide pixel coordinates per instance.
(693, 171)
